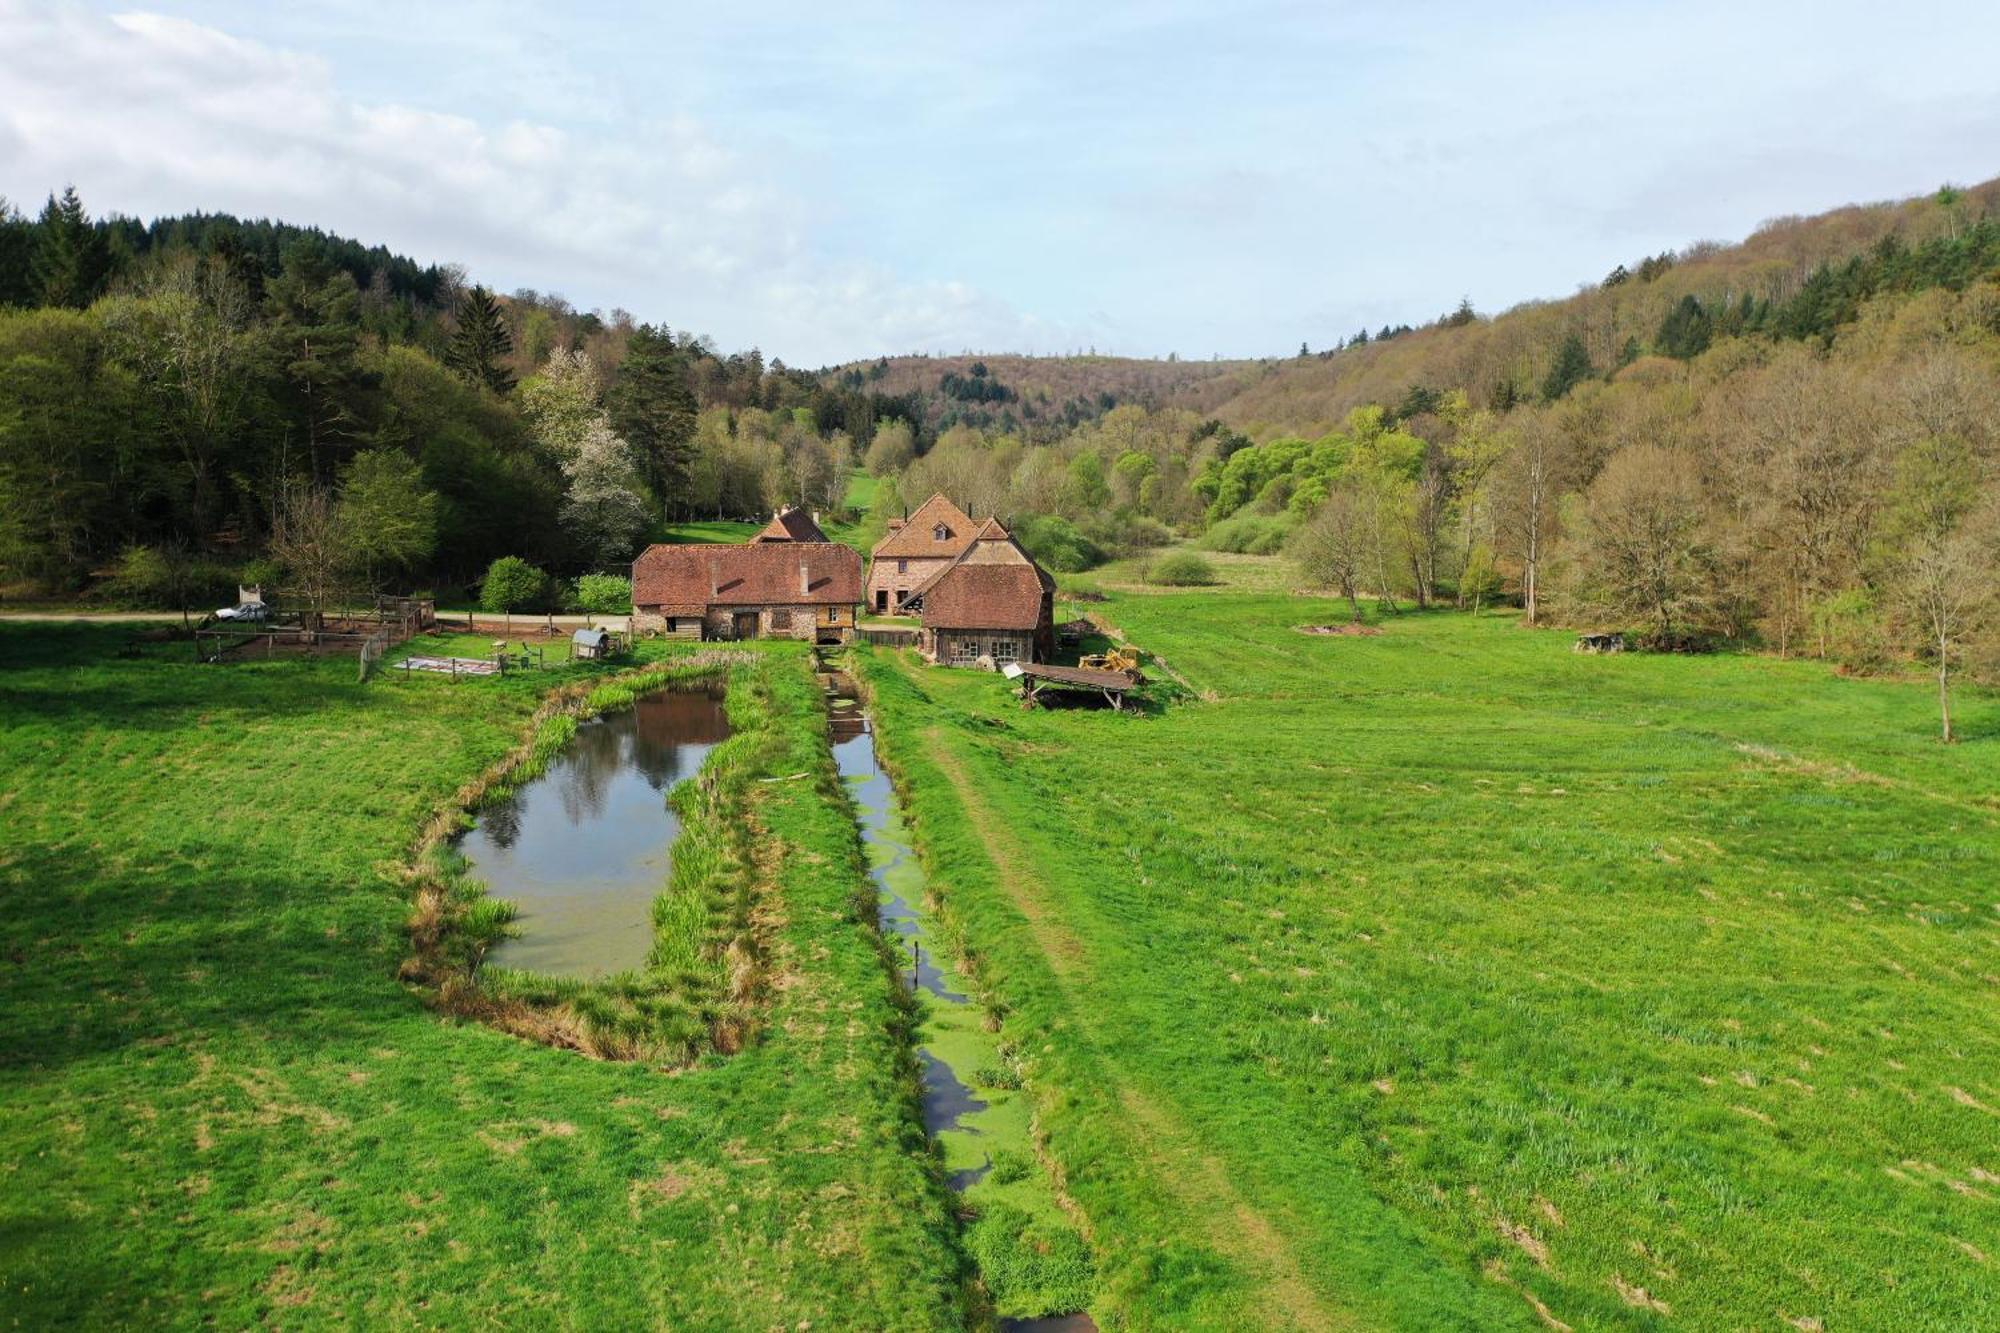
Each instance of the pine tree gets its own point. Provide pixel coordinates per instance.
(653, 408)
(316, 326)
(1686, 330)
(71, 260)
(17, 248)
(481, 342)
(1572, 367)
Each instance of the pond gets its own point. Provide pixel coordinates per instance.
(584, 849)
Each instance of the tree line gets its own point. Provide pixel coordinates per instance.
(1837, 497)
(197, 401)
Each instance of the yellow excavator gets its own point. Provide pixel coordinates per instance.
(1118, 659)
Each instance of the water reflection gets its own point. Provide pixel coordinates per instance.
(584, 849)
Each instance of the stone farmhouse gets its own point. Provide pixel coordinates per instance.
(915, 549)
(787, 582)
(989, 606)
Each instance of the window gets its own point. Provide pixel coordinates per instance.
(902, 566)
(781, 618)
(963, 650)
(1005, 650)
(940, 533)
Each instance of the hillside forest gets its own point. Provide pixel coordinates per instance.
(1787, 443)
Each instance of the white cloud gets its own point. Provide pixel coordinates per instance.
(148, 114)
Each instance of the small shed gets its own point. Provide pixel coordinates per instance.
(589, 644)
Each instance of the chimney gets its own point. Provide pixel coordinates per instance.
(805, 579)
(714, 580)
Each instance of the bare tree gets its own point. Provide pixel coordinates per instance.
(1946, 584)
(1333, 545)
(1424, 516)
(1642, 541)
(192, 340)
(310, 539)
(1528, 487)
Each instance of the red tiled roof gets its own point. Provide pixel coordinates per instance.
(790, 525)
(985, 597)
(914, 538)
(756, 574)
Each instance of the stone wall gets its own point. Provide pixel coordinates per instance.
(805, 623)
(883, 577)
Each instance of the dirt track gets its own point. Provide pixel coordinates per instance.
(1198, 1179)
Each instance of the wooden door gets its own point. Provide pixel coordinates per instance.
(746, 624)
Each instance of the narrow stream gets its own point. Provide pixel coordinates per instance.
(584, 849)
(977, 1121)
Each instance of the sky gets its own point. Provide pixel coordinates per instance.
(831, 182)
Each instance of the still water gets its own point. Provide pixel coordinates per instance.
(953, 1045)
(584, 849)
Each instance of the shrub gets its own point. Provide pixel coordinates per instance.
(1182, 569)
(1010, 1165)
(1056, 544)
(511, 584)
(1248, 534)
(1142, 532)
(604, 594)
(1123, 534)
(170, 580)
(1032, 1266)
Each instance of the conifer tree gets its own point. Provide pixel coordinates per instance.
(653, 408)
(71, 260)
(1571, 368)
(17, 248)
(481, 342)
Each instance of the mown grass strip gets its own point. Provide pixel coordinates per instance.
(1175, 1242)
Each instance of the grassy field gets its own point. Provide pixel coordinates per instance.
(1444, 978)
(219, 1106)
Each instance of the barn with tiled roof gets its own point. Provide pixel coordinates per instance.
(780, 588)
(993, 602)
(791, 525)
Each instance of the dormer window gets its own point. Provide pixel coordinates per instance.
(940, 533)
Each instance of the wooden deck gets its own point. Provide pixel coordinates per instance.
(1037, 676)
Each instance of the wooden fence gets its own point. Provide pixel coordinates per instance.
(889, 638)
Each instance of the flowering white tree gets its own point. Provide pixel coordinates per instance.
(606, 511)
(562, 400)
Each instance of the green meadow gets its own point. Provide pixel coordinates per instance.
(1432, 978)
(1446, 978)
(220, 1107)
